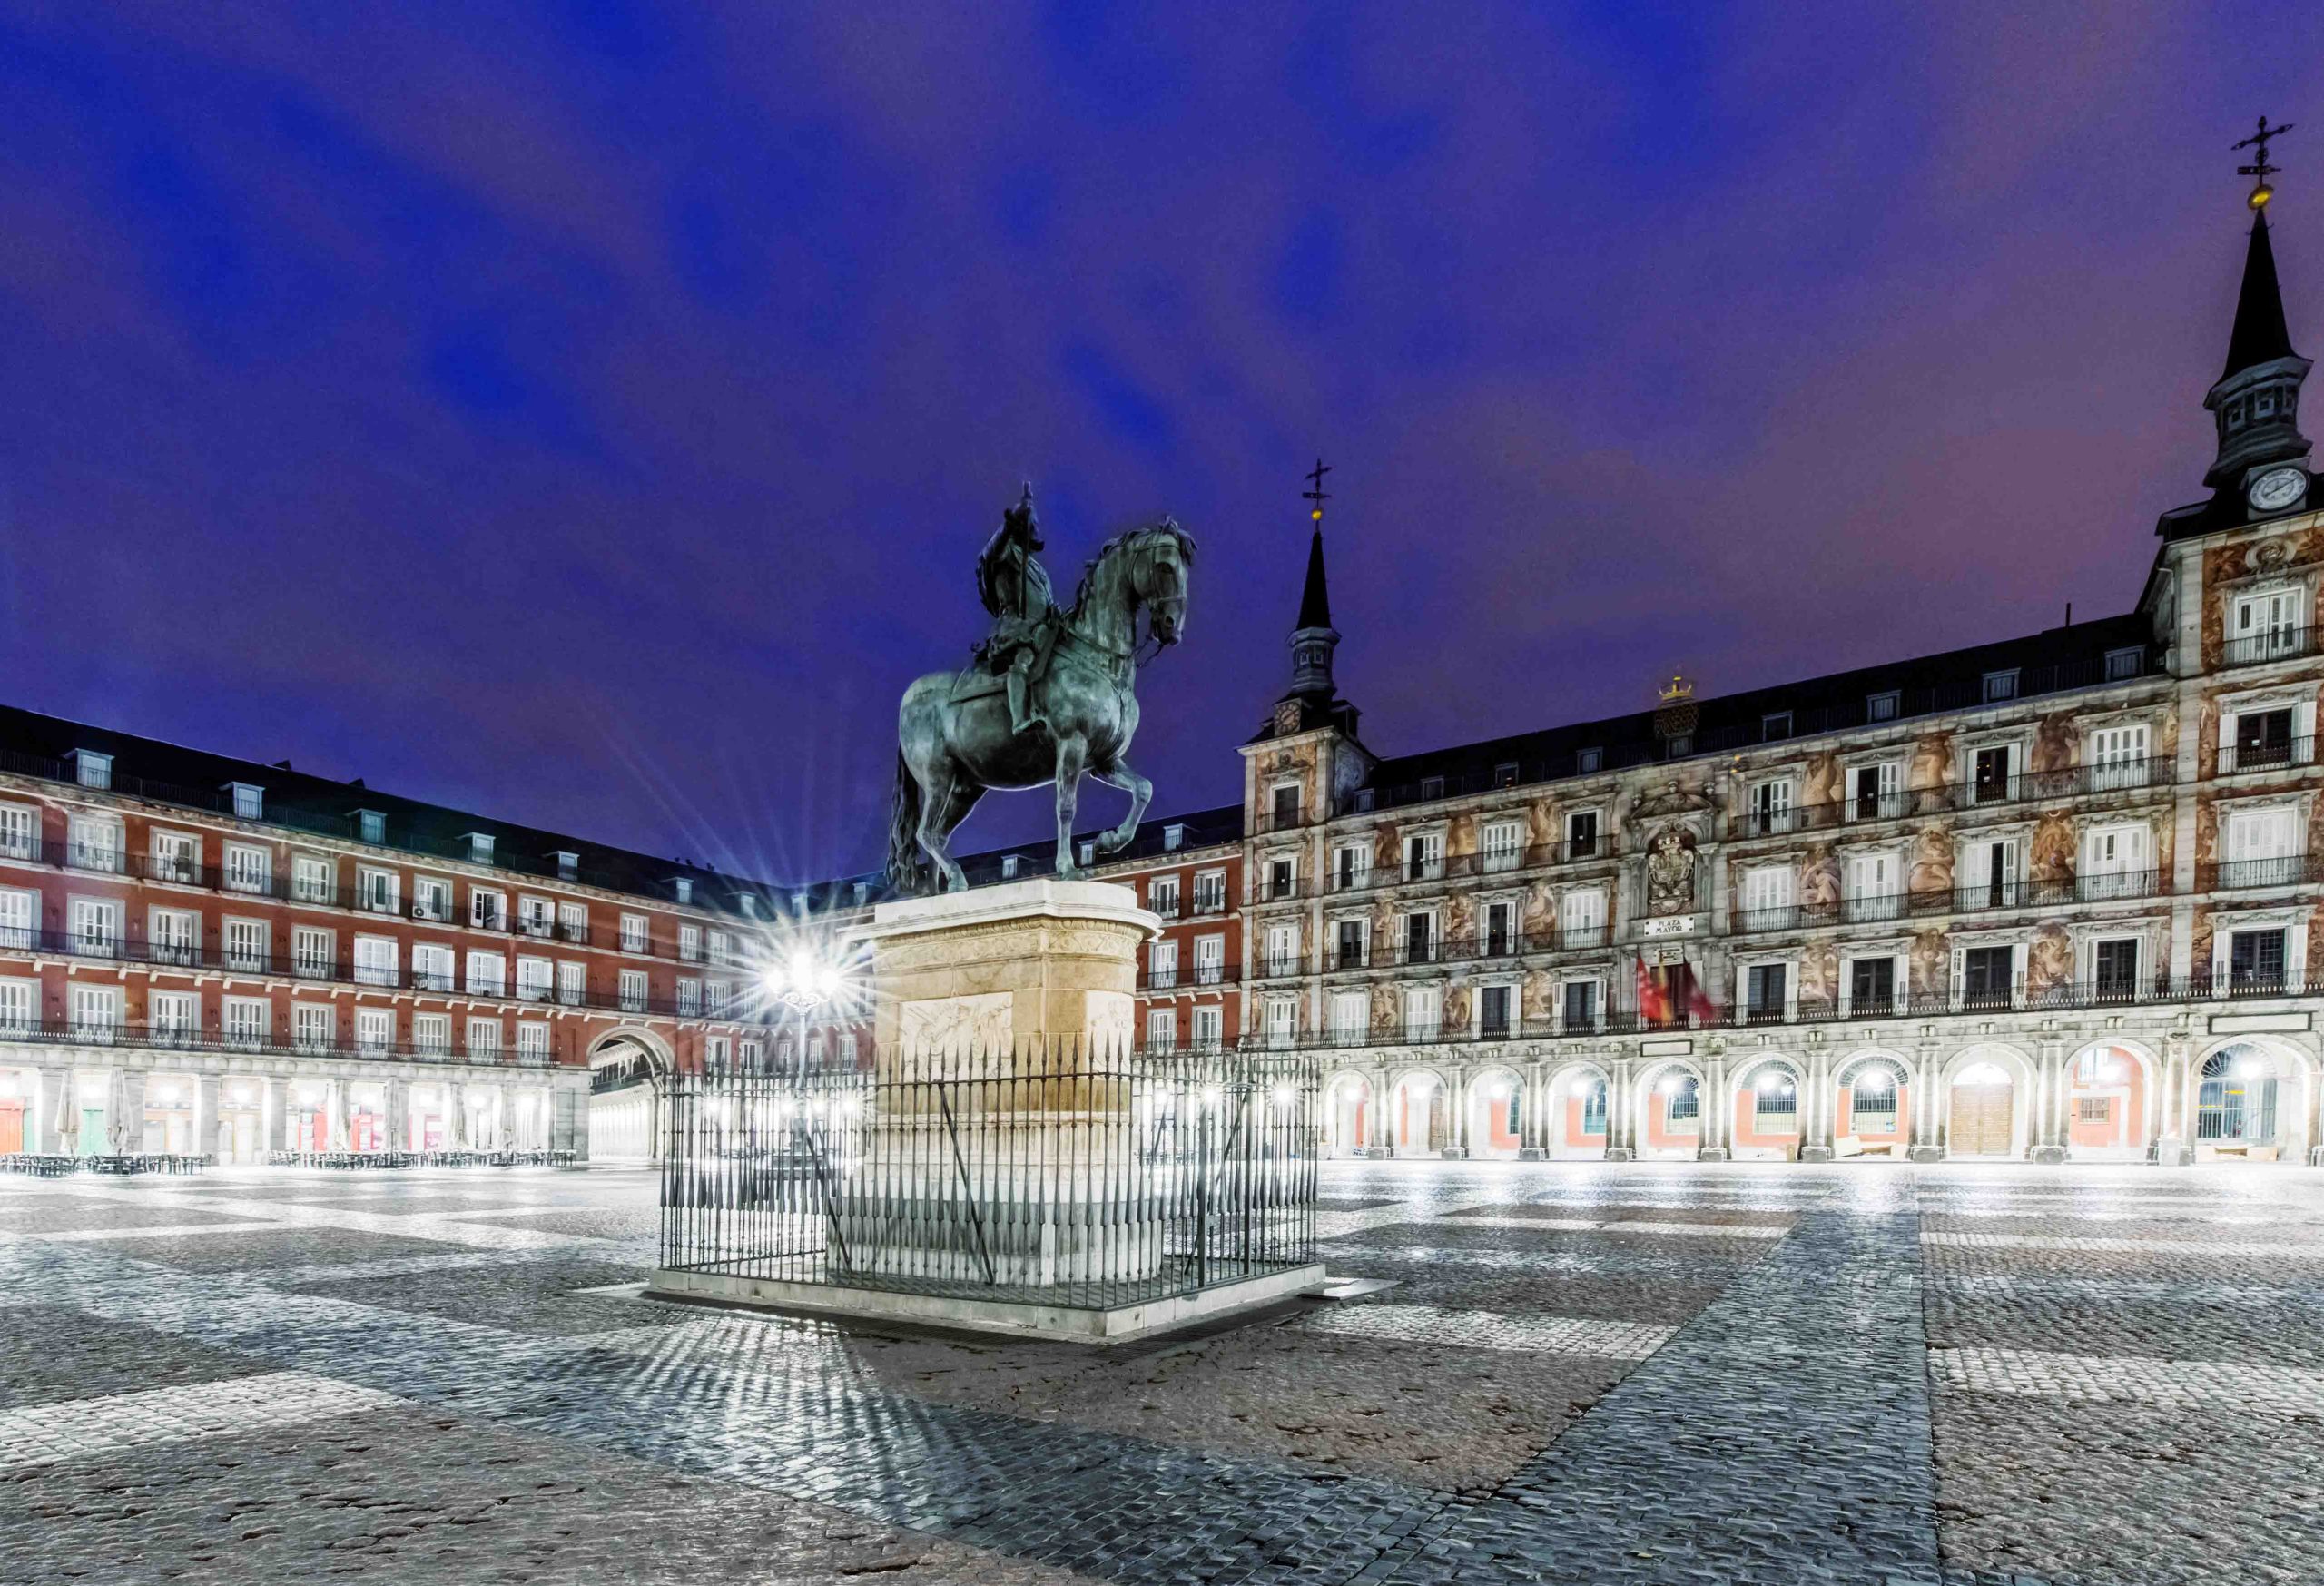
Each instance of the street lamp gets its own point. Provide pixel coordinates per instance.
(804, 983)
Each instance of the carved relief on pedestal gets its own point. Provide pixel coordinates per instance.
(1929, 964)
(2050, 857)
(984, 1022)
(2049, 958)
(1931, 867)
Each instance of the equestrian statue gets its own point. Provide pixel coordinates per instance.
(1049, 696)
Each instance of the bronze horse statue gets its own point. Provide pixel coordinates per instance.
(954, 735)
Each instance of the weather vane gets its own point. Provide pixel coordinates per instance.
(1314, 491)
(2260, 168)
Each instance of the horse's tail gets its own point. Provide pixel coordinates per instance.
(909, 870)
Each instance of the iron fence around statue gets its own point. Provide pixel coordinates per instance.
(1058, 1175)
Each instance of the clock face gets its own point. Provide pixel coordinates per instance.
(2278, 487)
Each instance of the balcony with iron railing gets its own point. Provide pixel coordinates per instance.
(1492, 862)
(2273, 644)
(1404, 953)
(2108, 777)
(1877, 908)
(1958, 1000)
(1187, 977)
(2266, 754)
(89, 1032)
(2233, 875)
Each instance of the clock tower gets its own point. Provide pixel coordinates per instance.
(2262, 457)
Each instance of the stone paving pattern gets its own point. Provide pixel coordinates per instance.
(1586, 1374)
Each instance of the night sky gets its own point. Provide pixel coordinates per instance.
(590, 413)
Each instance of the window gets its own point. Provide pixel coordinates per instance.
(313, 1028)
(312, 880)
(1775, 725)
(173, 936)
(1210, 1031)
(1350, 866)
(1283, 877)
(1493, 1012)
(370, 826)
(572, 984)
(1872, 792)
(1581, 1005)
(19, 832)
(1286, 805)
(1871, 1099)
(431, 898)
(2114, 966)
(1162, 964)
(177, 857)
(1282, 955)
(1501, 929)
(1883, 706)
(488, 911)
(1420, 939)
(1174, 837)
(632, 933)
(1210, 891)
(535, 976)
(1502, 843)
(246, 868)
(1283, 1021)
(532, 1042)
(375, 960)
(2114, 862)
(1581, 917)
(1161, 1029)
(723, 948)
(249, 803)
(95, 844)
(311, 952)
(433, 967)
(484, 1039)
(682, 888)
(2261, 739)
(1420, 1013)
(1008, 865)
(1593, 1108)
(1770, 807)
(96, 927)
(1681, 1100)
(2123, 664)
(91, 769)
(19, 919)
(1351, 941)
(375, 1029)
(1351, 1017)
(1987, 974)
(2256, 961)
(1764, 991)
(689, 993)
(1210, 960)
(1994, 779)
(245, 1021)
(1162, 896)
(488, 974)
(1581, 835)
(376, 889)
(172, 1018)
(2262, 848)
(1872, 985)
(1766, 897)
(1425, 856)
(2264, 625)
(2000, 686)
(2093, 1109)
(244, 944)
(1090, 850)
(96, 1012)
(536, 916)
(689, 941)
(633, 990)
(1589, 762)
(2118, 757)
(479, 848)
(1872, 888)
(1992, 875)
(432, 1032)
(1430, 788)
(1774, 1102)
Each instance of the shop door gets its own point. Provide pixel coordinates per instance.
(1980, 1120)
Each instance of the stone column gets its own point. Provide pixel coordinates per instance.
(1621, 1115)
(1816, 1106)
(1462, 1098)
(1532, 1138)
(1926, 1143)
(2047, 1131)
(205, 1116)
(274, 1128)
(2170, 1142)
(1717, 1108)
(397, 1105)
(130, 1126)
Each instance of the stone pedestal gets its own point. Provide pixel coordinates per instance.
(1815, 1153)
(1711, 1153)
(1925, 1154)
(2047, 1156)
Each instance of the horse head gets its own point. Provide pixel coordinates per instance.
(1159, 576)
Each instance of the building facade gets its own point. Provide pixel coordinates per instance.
(207, 956)
(2053, 898)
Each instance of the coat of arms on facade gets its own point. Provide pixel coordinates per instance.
(1670, 872)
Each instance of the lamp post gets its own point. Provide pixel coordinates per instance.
(804, 984)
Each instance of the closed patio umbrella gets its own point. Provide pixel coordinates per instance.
(117, 1113)
(68, 1124)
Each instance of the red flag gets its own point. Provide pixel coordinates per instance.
(1653, 1007)
(1698, 1002)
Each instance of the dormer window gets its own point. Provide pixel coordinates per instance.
(1775, 725)
(1431, 787)
(249, 800)
(568, 865)
(684, 888)
(2000, 686)
(1589, 761)
(479, 848)
(1008, 867)
(1174, 837)
(372, 826)
(91, 769)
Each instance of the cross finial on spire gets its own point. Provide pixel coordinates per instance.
(2260, 169)
(1314, 493)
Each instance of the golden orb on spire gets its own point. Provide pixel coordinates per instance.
(2259, 196)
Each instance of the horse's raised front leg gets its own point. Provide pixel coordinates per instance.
(937, 797)
(1119, 774)
(1072, 755)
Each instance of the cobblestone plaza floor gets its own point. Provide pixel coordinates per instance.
(1870, 1372)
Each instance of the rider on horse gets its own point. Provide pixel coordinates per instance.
(1015, 589)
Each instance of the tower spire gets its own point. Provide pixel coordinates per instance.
(1312, 637)
(2255, 402)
